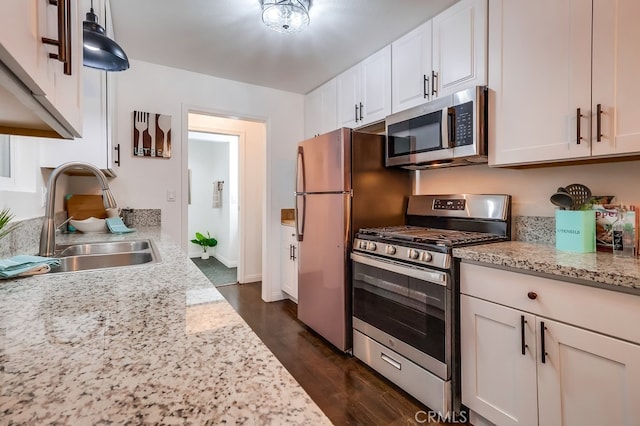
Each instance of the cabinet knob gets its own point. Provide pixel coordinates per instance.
(531, 295)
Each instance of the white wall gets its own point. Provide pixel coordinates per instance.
(532, 187)
(144, 182)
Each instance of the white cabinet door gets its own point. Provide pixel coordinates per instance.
(411, 68)
(498, 379)
(376, 87)
(616, 37)
(364, 91)
(540, 66)
(587, 378)
(23, 23)
(349, 97)
(460, 47)
(95, 146)
(54, 89)
(329, 106)
(320, 112)
(312, 113)
(289, 261)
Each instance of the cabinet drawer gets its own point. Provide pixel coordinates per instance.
(413, 379)
(605, 311)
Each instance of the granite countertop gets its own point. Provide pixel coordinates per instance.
(599, 269)
(152, 343)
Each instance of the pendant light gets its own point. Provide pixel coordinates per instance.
(99, 51)
(286, 16)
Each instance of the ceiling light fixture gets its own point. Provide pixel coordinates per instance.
(286, 16)
(99, 51)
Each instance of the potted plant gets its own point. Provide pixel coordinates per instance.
(205, 243)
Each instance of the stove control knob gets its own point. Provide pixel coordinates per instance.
(426, 256)
(390, 250)
(414, 254)
(372, 246)
(362, 245)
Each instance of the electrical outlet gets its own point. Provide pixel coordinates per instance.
(171, 195)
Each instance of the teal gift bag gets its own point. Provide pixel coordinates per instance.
(576, 230)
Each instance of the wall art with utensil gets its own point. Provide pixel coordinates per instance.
(151, 135)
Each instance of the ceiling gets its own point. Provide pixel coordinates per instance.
(226, 38)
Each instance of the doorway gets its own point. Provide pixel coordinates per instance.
(226, 168)
(213, 204)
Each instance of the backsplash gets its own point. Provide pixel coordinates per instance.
(26, 238)
(534, 229)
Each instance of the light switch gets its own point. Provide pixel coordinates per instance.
(171, 195)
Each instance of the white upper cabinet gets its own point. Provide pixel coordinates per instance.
(40, 94)
(411, 68)
(364, 91)
(95, 146)
(460, 47)
(616, 88)
(544, 104)
(441, 56)
(320, 110)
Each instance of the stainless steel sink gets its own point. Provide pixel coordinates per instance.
(102, 248)
(100, 255)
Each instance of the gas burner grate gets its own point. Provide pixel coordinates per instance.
(419, 234)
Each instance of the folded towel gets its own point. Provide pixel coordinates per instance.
(117, 226)
(23, 265)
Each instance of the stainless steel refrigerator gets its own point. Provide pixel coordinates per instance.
(341, 186)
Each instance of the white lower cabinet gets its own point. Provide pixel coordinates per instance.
(537, 352)
(289, 261)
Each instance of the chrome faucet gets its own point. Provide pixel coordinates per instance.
(48, 234)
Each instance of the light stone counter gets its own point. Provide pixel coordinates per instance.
(597, 269)
(153, 344)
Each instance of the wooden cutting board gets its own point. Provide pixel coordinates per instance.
(85, 206)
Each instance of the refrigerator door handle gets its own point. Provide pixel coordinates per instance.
(300, 215)
(301, 184)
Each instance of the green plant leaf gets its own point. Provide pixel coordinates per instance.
(5, 227)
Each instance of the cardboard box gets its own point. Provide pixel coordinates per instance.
(575, 230)
(606, 216)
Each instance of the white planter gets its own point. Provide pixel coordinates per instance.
(204, 255)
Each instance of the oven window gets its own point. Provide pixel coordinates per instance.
(406, 308)
(416, 135)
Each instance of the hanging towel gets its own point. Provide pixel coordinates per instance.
(24, 265)
(217, 194)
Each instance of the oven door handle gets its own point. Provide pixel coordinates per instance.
(435, 277)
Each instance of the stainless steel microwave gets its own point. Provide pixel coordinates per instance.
(448, 131)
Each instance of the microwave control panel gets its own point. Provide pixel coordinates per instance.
(463, 124)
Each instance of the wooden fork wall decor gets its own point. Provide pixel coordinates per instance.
(151, 135)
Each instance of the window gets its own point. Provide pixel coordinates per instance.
(18, 163)
(5, 159)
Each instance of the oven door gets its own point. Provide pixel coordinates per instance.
(405, 307)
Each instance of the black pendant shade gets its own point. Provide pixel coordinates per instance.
(99, 51)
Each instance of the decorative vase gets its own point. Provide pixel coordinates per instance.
(204, 255)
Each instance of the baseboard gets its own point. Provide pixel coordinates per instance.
(226, 262)
(251, 278)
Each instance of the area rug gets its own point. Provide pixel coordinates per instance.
(215, 270)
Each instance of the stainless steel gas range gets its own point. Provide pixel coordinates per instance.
(406, 291)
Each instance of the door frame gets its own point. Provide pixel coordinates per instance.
(242, 193)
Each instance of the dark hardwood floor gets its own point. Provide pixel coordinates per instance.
(347, 390)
